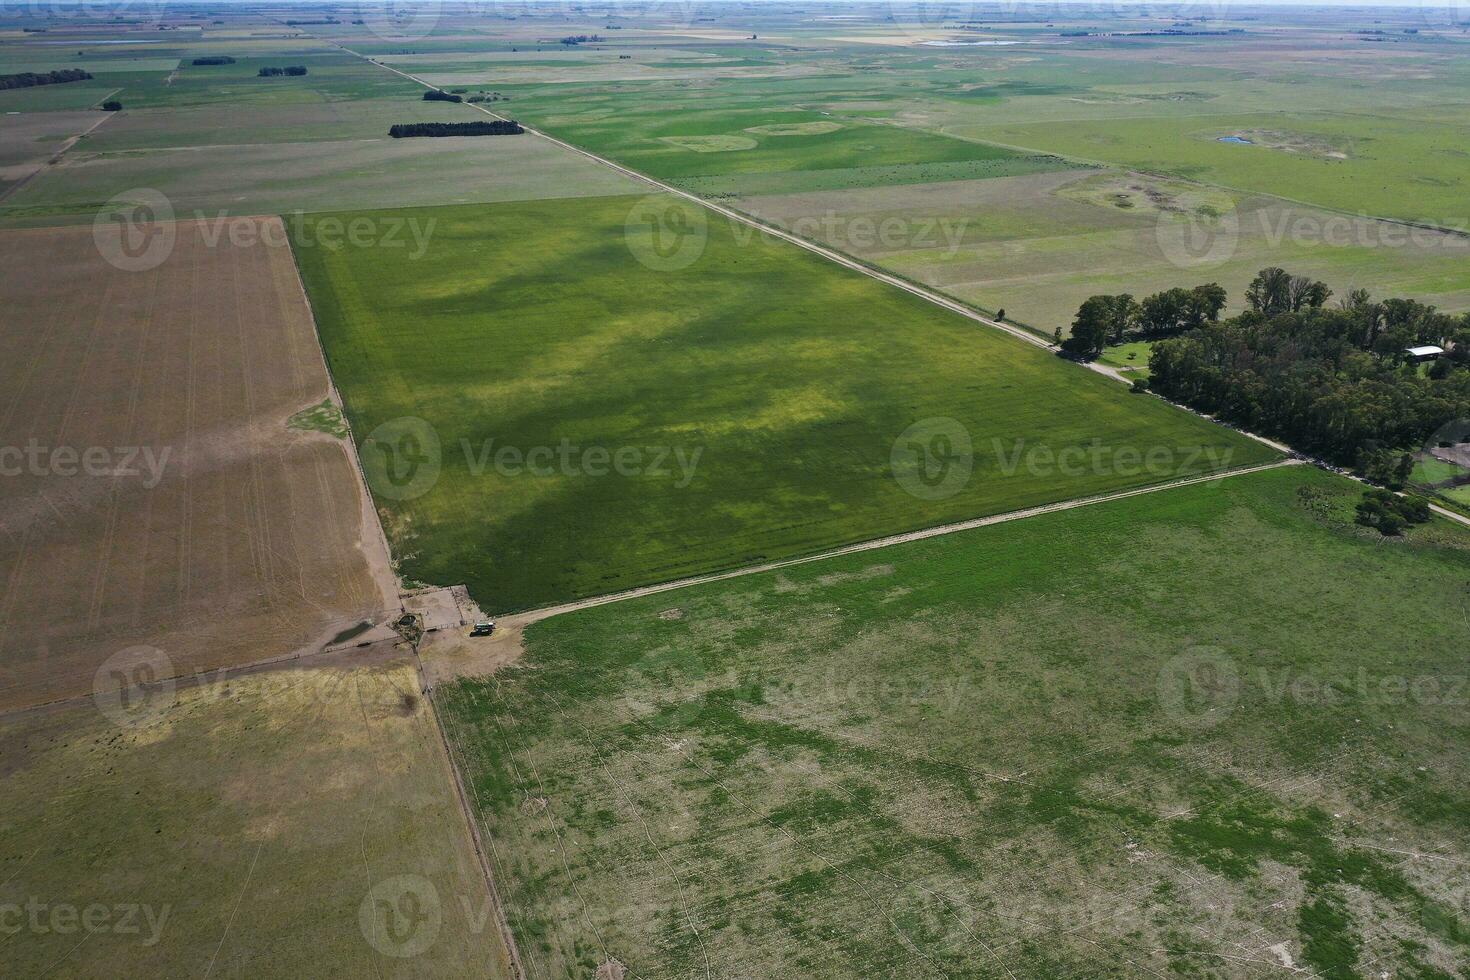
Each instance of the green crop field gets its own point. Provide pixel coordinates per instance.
(1105, 742)
(773, 387)
(744, 136)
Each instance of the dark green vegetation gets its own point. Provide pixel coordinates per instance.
(1391, 513)
(1112, 741)
(482, 127)
(30, 79)
(749, 138)
(1332, 381)
(1102, 321)
(753, 404)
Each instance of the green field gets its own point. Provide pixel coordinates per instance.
(1131, 357)
(1107, 742)
(744, 136)
(1428, 469)
(775, 387)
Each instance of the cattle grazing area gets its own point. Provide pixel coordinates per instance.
(154, 494)
(262, 825)
(1054, 747)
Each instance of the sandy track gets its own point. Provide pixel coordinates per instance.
(211, 532)
(447, 658)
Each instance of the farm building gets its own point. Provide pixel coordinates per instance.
(1426, 353)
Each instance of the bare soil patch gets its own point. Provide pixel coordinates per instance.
(153, 494)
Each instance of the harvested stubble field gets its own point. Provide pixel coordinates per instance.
(154, 493)
(262, 824)
(655, 423)
(1049, 748)
(314, 176)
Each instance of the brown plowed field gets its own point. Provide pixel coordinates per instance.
(151, 492)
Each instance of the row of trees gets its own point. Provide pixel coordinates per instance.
(288, 70)
(30, 79)
(1333, 381)
(487, 127)
(214, 59)
(437, 95)
(1104, 320)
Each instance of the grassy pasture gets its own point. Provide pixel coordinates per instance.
(1053, 747)
(788, 383)
(1411, 169)
(251, 820)
(1038, 245)
(312, 176)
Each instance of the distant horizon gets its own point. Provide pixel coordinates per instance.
(598, 6)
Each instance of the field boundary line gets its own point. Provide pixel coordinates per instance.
(370, 516)
(55, 158)
(502, 924)
(527, 617)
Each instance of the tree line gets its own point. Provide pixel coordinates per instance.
(438, 95)
(288, 70)
(1334, 380)
(214, 59)
(486, 127)
(1104, 320)
(30, 79)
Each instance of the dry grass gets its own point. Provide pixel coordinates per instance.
(256, 823)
